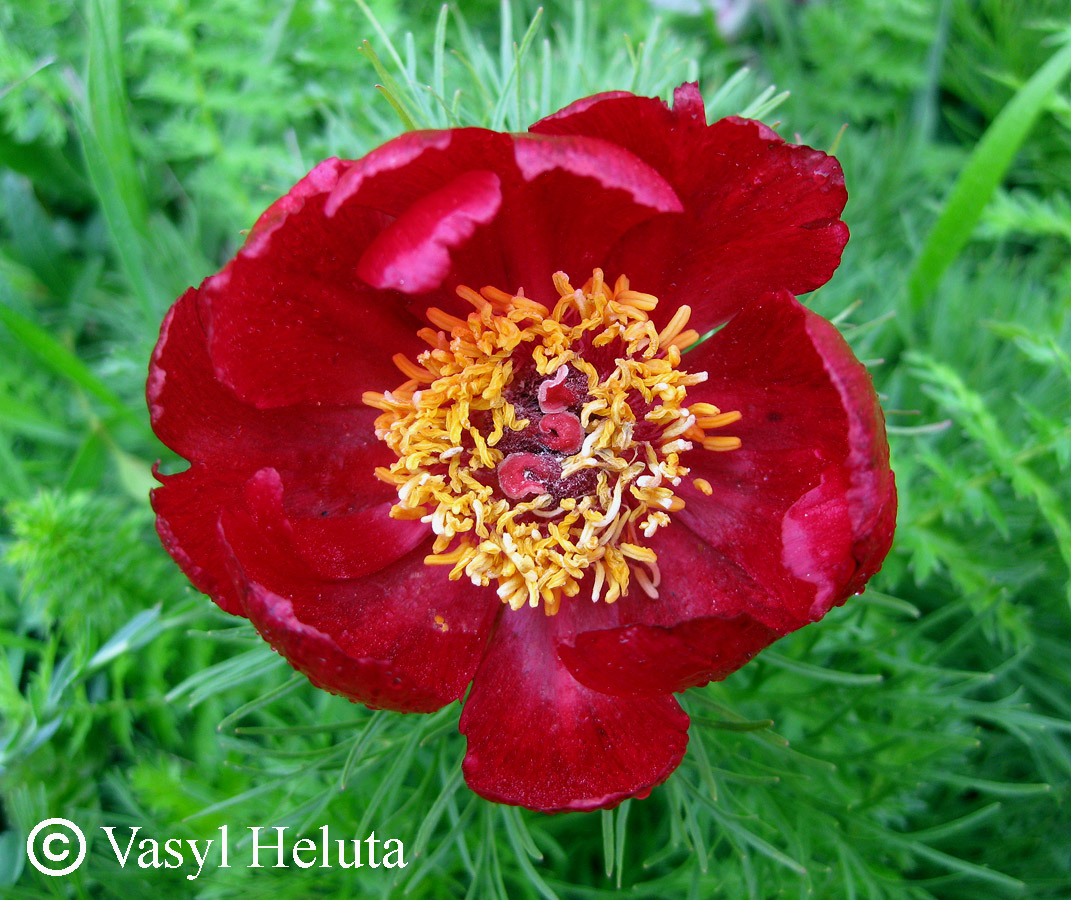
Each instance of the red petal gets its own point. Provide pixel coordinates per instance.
(577, 197)
(688, 105)
(800, 518)
(187, 510)
(399, 173)
(538, 738)
(579, 106)
(326, 455)
(871, 485)
(602, 161)
(563, 204)
(803, 507)
(334, 547)
(287, 320)
(760, 214)
(389, 676)
(699, 629)
(323, 177)
(346, 542)
(412, 254)
(403, 174)
(201, 419)
(280, 339)
(403, 638)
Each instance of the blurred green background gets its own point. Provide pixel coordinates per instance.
(913, 745)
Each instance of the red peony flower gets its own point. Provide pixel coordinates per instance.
(410, 482)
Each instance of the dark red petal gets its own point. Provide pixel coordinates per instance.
(339, 547)
(322, 177)
(287, 319)
(538, 738)
(871, 487)
(688, 105)
(337, 534)
(402, 174)
(327, 456)
(699, 629)
(202, 420)
(399, 173)
(190, 411)
(800, 518)
(602, 161)
(412, 254)
(354, 545)
(803, 506)
(381, 681)
(760, 214)
(579, 106)
(342, 547)
(576, 198)
(187, 510)
(564, 203)
(404, 638)
(281, 337)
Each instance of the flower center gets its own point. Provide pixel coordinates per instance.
(544, 445)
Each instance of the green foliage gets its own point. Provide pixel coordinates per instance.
(78, 545)
(880, 50)
(914, 745)
(983, 171)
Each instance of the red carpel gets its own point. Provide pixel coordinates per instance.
(561, 431)
(521, 474)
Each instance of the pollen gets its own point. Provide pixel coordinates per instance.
(543, 445)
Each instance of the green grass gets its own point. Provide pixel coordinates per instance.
(916, 744)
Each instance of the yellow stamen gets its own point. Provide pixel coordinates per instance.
(433, 337)
(448, 421)
(409, 368)
(719, 444)
(718, 421)
(685, 339)
(676, 325)
(444, 320)
(704, 409)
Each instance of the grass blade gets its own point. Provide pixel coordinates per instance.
(985, 169)
(59, 359)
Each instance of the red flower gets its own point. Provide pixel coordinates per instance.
(545, 447)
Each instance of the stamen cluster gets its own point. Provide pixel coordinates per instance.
(603, 422)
